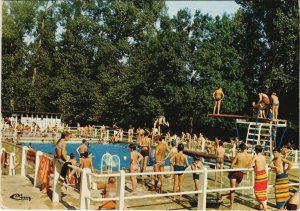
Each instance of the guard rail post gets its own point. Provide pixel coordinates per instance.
(37, 164)
(296, 156)
(23, 162)
(12, 164)
(85, 189)
(121, 185)
(56, 187)
(203, 187)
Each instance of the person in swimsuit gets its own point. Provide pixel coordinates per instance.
(241, 160)
(145, 149)
(282, 181)
(275, 105)
(60, 149)
(196, 165)
(218, 96)
(109, 191)
(82, 148)
(86, 161)
(180, 163)
(173, 152)
(220, 153)
(292, 203)
(135, 158)
(263, 103)
(159, 164)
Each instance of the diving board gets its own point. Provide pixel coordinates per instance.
(241, 117)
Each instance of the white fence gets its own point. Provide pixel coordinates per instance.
(86, 179)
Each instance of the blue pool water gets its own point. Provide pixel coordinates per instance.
(98, 150)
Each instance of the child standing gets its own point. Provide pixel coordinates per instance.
(196, 165)
(282, 181)
(86, 161)
(173, 152)
(135, 158)
(178, 161)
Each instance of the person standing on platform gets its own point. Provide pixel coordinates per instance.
(282, 180)
(218, 96)
(275, 105)
(261, 178)
(263, 103)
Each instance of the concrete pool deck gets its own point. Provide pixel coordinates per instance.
(244, 200)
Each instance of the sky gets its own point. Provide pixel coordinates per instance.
(213, 8)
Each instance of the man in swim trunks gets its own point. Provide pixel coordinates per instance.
(218, 96)
(145, 149)
(82, 148)
(275, 105)
(263, 103)
(160, 158)
(241, 160)
(220, 153)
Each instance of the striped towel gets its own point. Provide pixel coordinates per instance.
(281, 189)
(261, 185)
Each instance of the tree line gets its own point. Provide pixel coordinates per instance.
(127, 62)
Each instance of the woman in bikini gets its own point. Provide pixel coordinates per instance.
(135, 158)
(60, 149)
(180, 163)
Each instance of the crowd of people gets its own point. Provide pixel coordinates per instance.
(179, 163)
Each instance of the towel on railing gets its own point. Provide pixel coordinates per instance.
(281, 189)
(4, 162)
(261, 185)
(44, 171)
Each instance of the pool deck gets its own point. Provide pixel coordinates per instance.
(244, 200)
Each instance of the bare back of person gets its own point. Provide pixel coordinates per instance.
(179, 159)
(86, 163)
(145, 141)
(243, 160)
(160, 152)
(260, 162)
(82, 148)
(265, 99)
(220, 152)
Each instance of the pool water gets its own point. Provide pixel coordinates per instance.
(98, 150)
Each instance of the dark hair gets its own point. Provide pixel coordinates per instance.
(220, 143)
(86, 154)
(64, 134)
(72, 155)
(173, 142)
(84, 141)
(276, 150)
(180, 147)
(243, 146)
(158, 138)
(132, 146)
(196, 157)
(258, 148)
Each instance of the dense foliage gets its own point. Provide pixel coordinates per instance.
(127, 62)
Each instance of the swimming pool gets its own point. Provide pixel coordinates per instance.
(120, 149)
